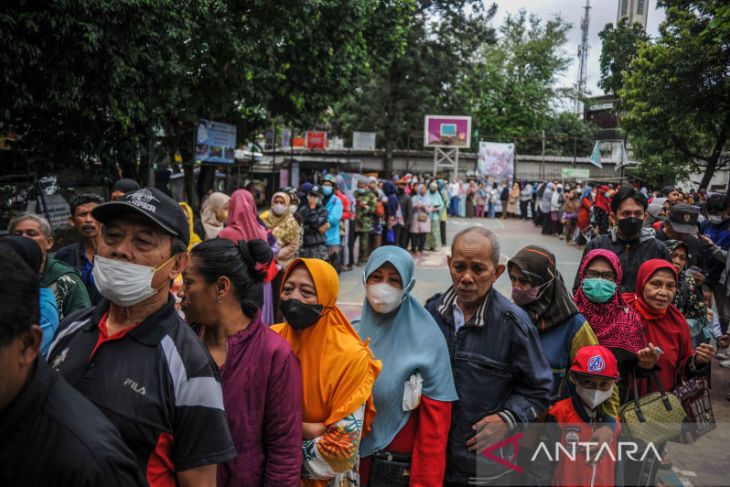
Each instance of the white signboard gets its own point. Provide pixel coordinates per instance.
(363, 140)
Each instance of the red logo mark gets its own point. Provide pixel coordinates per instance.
(514, 441)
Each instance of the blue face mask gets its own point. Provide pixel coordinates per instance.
(598, 290)
(327, 190)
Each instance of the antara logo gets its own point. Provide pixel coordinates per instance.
(134, 386)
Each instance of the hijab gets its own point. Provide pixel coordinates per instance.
(271, 219)
(194, 237)
(666, 329)
(554, 304)
(213, 203)
(601, 201)
(243, 222)
(338, 369)
(393, 202)
(614, 322)
(406, 340)
(587, 193)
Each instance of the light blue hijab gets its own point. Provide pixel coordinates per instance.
(406, 340)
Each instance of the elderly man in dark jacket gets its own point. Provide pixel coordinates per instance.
(501, 374)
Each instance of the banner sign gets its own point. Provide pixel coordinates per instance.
(215, 142)
(316, 140)
(363, 140)
(496, 160)
(579, 174)
(447, 131)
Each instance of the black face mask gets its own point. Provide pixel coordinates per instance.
(630, 227)
(300, 315)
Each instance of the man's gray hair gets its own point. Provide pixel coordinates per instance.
(42, 222)
(490, 235)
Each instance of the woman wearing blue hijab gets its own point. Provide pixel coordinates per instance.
(413, 394)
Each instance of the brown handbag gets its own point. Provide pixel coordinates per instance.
(694, 394)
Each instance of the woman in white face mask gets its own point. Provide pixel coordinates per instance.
(414, 391)
(284, 227)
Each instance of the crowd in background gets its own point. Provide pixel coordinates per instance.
(204, 349)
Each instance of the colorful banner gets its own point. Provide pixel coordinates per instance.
(496, 161)
(215, 142)
(447, 131)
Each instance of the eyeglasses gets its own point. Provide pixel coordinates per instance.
(608, 275)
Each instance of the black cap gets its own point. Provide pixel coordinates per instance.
(152, 204)
(126, 185)
(683, 218)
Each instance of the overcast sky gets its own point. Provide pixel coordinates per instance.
(602, 12)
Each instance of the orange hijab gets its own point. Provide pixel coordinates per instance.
(338, 369)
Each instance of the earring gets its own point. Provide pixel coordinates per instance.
(218, 300)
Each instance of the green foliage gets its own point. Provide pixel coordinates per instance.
(95, 79)
(619, 45)
(512, 90)
(677, 92)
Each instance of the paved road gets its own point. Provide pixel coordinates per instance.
(705, 463)
(432, 275)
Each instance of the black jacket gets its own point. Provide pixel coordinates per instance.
(51, 435)
(499, 368)
(312, 219)
(630, 254)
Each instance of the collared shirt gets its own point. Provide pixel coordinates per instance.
(155, 382)
(450, 307)
(75, 256)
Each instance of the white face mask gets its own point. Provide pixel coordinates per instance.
(384, 298)
(293, 208)
(123, 283)
(715, 219)
(593, 397)
(278, 210)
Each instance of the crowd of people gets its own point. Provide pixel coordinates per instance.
(169, 348)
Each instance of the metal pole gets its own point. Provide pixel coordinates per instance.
(542, 164)
(456, 164)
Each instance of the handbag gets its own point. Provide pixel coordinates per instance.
(694, 394)
(422, 217)
(654, 418)
(390, 470)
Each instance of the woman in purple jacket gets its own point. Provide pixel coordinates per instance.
(261, 378)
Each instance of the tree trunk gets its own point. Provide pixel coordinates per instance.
(709, 171)
(206, 177)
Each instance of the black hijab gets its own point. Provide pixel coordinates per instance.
(554, 305)
(26, 248)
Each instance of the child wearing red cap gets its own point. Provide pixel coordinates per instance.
(592, 377)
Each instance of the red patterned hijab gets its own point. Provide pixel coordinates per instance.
(614, 322)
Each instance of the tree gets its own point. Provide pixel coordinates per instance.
(677, 92)
(512, 92)
(422, 75)
(619, 45)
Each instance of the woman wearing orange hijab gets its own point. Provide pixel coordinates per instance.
(338, 372)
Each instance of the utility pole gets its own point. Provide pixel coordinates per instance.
(542, 164)
(583, 57)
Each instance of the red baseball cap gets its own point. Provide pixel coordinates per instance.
(595, 360)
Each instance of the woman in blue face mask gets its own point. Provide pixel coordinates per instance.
(616, 325)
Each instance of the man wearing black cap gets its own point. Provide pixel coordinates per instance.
(135, 358)
(122, 187)
(682, 225)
